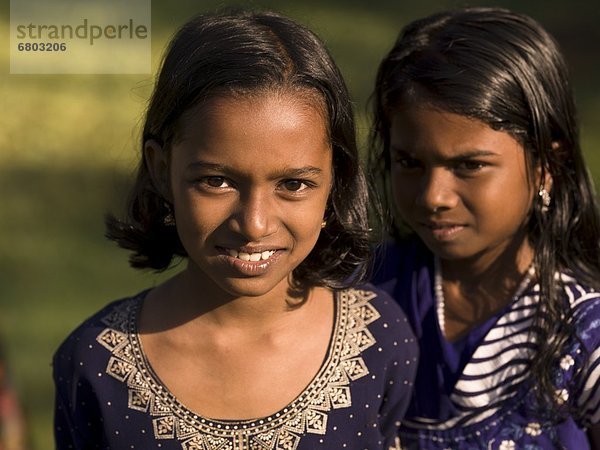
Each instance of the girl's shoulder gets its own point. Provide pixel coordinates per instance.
(379, 301)
(578, 293)
(113, 318)
(581, 360)
(377, 329)
(392, 258)
(585, 311)
(405, 270)
(381, 318)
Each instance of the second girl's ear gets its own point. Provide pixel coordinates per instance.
(547, 181)
(157, 163)
(543, 179)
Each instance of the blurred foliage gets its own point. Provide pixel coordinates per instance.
(68, 148)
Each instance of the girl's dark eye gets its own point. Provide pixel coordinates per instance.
(406, 162)
(294, 185)
(470, 166)
(216, 182)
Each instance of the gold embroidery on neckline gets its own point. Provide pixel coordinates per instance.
(330, 389)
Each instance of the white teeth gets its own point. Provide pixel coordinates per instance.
(250, 256)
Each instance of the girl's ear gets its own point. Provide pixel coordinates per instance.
(547, 181)
(543, 179)
(157, 163)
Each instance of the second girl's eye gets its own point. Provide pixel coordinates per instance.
(404, 161)
(215, 182)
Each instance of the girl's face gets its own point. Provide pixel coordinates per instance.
(250, 178)
(460, 185)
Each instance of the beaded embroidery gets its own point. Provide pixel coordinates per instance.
(329, 390)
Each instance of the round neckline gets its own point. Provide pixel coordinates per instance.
(310, 394)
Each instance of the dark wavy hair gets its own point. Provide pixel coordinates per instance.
(240, 53)
(504, 69)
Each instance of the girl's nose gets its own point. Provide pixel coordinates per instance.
(437, 191)
(255, 216)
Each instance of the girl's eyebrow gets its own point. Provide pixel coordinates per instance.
(474, 154)
(302, 172)
(197, 165)
(299, 172)
(469, 154)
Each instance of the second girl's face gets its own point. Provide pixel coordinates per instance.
(460, 185)
(250, 179)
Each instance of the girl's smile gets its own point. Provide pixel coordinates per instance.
(249, 262)
(253, 255)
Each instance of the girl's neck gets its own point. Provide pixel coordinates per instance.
(509, 262)
(190, 297)
(472, 291)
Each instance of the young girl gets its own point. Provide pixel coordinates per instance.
(476, 138)
(250, 171)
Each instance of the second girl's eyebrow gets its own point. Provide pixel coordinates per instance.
(473, 154)
(470, 154)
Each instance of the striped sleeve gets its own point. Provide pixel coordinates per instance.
(587, 316)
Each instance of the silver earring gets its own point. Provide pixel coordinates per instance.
(323, 224)
(546, 199)
(169, 219)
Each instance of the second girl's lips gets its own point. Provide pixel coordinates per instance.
(443, 231)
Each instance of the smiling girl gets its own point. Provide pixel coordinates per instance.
(250, 172)
(476, 139)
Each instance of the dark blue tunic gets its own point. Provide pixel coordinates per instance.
(108, 397)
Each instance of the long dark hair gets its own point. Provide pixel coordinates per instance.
(241, 53)
(504, 69)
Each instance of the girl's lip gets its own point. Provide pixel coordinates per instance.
(443, 231)
(254, 254)
(440, 224)
(249, 267)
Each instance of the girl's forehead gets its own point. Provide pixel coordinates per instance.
(264, 110)
(430, 130)
(254, 133)
(263, 98)
(268, 101)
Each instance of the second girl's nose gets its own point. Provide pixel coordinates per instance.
(437, 190)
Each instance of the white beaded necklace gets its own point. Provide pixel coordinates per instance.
(440, 306)
(439, 296)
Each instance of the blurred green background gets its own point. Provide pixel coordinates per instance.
(68, 148)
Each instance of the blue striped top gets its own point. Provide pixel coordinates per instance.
(477, 392)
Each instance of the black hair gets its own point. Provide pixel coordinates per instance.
(504, 69)
(242, 53)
